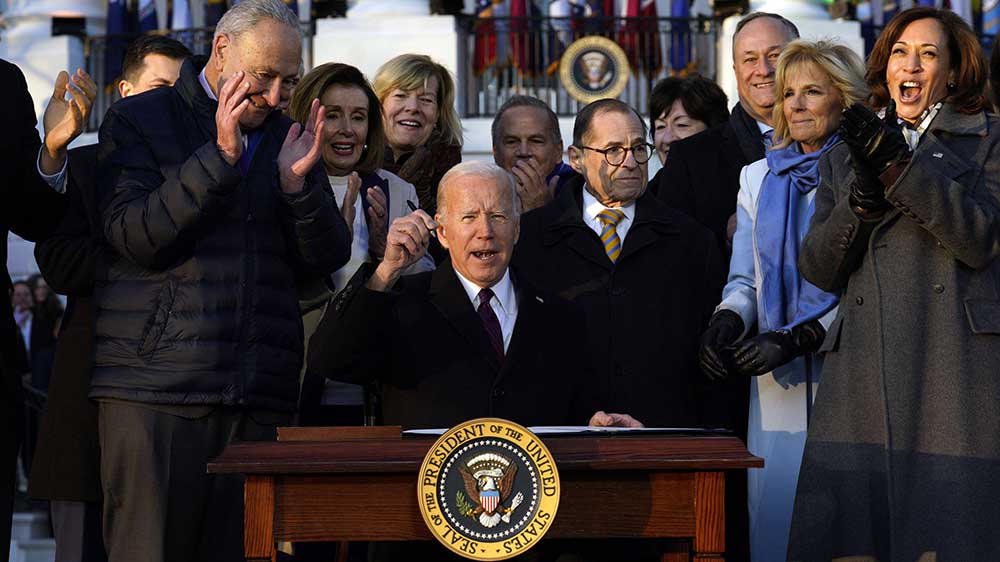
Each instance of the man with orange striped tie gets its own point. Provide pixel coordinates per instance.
(645, 275)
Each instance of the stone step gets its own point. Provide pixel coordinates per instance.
(30, 525)
(33, 550)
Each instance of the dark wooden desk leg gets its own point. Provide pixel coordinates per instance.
(676, 551)
(710, 517)
(258, 527)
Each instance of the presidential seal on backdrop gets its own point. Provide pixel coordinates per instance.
(488, 489)
(593, 68)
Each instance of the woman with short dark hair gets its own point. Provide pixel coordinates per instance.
(903, 449)
(681, 107)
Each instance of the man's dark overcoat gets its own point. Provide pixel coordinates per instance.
(30, 209)
(66, 464)
(644, 313)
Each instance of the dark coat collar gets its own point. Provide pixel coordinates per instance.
(747, 133)
(653, 219)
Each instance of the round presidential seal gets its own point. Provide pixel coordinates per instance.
(488, 489)
(593, 68)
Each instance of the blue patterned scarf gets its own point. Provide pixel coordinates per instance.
(786, 298)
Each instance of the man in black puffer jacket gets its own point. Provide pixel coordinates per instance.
(217, 212)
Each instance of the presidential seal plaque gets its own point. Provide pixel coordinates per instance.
(488, 489)
(593, 68)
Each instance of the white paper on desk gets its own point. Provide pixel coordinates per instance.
(576, 430)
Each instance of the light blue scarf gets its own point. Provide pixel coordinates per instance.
(787, 299)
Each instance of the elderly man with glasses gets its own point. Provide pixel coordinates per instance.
(644, 275)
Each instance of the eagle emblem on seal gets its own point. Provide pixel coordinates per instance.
(489, 479)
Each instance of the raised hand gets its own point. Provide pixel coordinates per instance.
(877, 142)
(347, 206)
(64, 120)
(301, 150)
(378, 220)
(532, 188)
(406, 243)
(232, 103)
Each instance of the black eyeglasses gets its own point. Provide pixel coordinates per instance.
(616, 154)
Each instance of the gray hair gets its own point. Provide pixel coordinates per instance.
(248, 13)
(479, 169)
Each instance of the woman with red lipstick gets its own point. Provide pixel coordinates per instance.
(422, 128)
(903, 451)
(369, 198)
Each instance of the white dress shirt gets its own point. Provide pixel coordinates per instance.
(592, 207)
(504, 303)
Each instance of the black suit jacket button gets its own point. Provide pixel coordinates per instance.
(938, 288)
(860, 301)
(498, 392)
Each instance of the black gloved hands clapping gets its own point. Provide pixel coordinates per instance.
(875, 145)
(878, 142)
(724, 329)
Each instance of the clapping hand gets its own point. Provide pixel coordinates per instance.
(878, 142)
(378, 219)
(301, 150)
(64, 120)
(347, 206)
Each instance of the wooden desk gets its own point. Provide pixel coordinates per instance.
(365, 490)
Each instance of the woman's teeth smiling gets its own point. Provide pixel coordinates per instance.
(909, 91)
(413, 124)
(343, 148)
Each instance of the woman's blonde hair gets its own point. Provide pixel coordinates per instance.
(411, 72)
(844, 67)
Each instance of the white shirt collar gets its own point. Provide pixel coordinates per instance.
(502, 289)
(764, 128)
(592, 207)
(204, 84)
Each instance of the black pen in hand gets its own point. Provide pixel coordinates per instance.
(413, 207)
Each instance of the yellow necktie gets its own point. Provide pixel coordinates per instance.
(609, 235)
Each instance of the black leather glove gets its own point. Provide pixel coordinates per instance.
(875, 145)
(872, 140)
(770, 350)
(724, 329)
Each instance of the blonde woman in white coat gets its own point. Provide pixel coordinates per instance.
(815, 82)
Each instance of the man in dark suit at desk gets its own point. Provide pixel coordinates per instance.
(470, 339)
